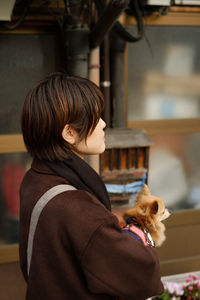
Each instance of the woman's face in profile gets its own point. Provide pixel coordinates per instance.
(95, 142)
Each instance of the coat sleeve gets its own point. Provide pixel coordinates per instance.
(116, 264)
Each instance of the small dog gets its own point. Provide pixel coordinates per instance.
(150, 211)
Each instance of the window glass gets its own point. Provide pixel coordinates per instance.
(164, 74)
(174, 172)
(24, 59)
(12, 169)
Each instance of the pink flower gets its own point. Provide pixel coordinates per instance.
(190, 287)
(174, 287)
(189, 280)
(194, 277)
(170, 287)
(198, 283)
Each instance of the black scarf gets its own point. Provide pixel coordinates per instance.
(81, 176)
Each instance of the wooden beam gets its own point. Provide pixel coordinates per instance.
(9, 253)
(11, 143)
(167, 126)
(38, 28)
(183, 218)
(182, 265)
(171, 19)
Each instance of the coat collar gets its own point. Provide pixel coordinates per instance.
(40, 167)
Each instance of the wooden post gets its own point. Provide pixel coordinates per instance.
(94, 67)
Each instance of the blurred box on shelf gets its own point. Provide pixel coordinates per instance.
(124, 164)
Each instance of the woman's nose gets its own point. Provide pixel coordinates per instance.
(103, 124)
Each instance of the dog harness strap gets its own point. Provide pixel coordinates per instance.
(137, 231)
(41, 203)
(133, 235)
(133, 226)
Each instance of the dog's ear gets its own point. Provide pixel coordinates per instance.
(145, 190)
(154, 207)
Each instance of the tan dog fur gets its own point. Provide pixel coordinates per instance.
(150, 211)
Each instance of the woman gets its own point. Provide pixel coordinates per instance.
(78, 249)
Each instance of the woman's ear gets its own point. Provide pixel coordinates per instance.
(69, 134)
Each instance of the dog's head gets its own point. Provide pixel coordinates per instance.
(152, 206)
(150, 211)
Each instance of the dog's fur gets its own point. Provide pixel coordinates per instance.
(150, 211)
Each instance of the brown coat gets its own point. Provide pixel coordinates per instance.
(79, 251)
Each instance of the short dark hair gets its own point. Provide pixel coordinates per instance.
(54, 102)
